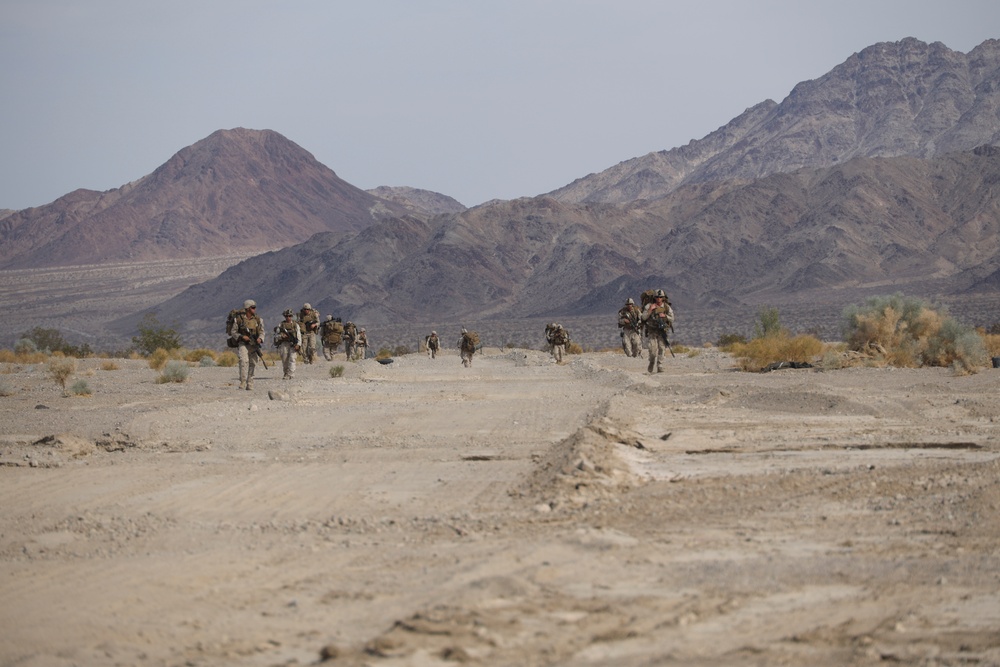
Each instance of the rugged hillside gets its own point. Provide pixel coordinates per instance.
(235, 192)
(866, 226)
(420, 202)
(905, 98)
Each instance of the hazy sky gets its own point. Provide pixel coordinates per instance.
(477, 100)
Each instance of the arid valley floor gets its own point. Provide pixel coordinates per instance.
(517, 512)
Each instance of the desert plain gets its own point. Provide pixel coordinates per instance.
(518, 512)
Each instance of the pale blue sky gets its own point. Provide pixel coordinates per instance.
(477, 100)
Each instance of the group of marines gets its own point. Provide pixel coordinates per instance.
(293, 336)
(299, 335)
(653, 319)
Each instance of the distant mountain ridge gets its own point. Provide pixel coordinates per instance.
(866, 226)
(880, 176)
(892, 99)
(234, 192)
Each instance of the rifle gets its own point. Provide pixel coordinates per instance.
(252, 345)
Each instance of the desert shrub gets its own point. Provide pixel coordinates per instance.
(197, 356)
(909, 332)
(336, 371)
(727, 340)
(574, 348)
(383, 353)
(970, 352)
(400, 350)
(768, 323)
(12, 357)
(761, 352)
(206, 361)
(61, 368)
(158, 359)
(992, 343)
(51, 340)
(227, 359)
(174, 371)
(25, 346)
(154, 336)
(80, 388)
(109, 366)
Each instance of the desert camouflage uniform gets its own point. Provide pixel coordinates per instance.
(658, 317)
(361, 344)
(288, 338)
(629, 323)
(433, 344)
(248, 330)
(330, 336)
(350, 339)
(559, 339)
(467, 347)
(309, 322)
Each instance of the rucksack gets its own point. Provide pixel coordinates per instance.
(231, 318)
(470, 340)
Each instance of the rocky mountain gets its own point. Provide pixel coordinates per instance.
(420, 202)
(235, 192)
(905, 98)
(869, 225)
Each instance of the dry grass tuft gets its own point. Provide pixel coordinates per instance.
(761, 352)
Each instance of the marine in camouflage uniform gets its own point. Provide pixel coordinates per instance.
(549, 329)
(330, 334)
(288, 338)
(433, 344)
(361, 344)
(309, 322)
(630, 324)
(350, 339)
(247, 330)
(559, 339)
(467, 347)
(658, 317)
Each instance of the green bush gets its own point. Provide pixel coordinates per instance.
(206, 361)
(909, 332)
(768, 323)
(60, 368)
(729, 339)
(80, 388)
(51, 340)
(336, 371)
(154, 336)
(174, 371)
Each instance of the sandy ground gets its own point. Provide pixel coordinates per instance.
(514, 513)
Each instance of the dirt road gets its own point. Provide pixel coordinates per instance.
(514, 513)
